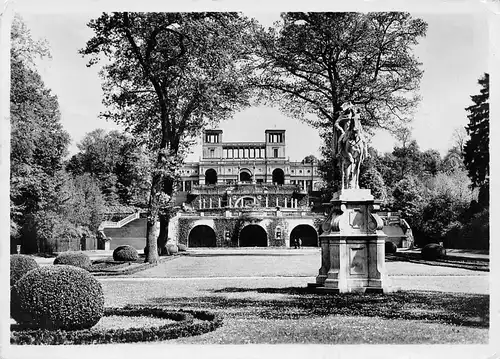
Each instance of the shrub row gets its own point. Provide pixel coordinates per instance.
(20, 264)
(185, 328)
(169, 249)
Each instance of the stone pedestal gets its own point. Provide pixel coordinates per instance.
(352, 246)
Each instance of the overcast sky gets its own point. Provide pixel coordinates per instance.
(454, 55)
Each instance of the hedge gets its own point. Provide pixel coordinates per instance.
(57, 297)
(185, 327)
(20, 264)
(77, 259)
(433, 251)
(390, 247)
(125, 253)
(172, 249)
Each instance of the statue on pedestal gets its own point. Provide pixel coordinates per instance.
(349, 145)
(352, 242)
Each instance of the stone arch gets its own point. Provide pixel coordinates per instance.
(245, 175)
(306, 233)
(253, 235)
(210, 176)
(202, 235)
(245, 201)
(278, 176)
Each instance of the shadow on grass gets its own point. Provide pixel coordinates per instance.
(462, 309)
(477, 264)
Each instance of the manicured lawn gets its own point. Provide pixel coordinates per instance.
(265, 311)
(337, 330)
(262, 263)
(263, 299)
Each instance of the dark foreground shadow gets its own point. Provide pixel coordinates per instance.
(294, 303)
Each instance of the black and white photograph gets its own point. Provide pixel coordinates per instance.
(307, 180)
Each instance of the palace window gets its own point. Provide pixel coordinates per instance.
(275, 152)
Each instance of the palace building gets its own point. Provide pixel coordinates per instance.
(244, 194)
(247, 162)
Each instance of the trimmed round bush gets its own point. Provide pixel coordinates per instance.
(390, 247)
(57, 297)
(20, 264)
(433, 251)
(77, 259)
(172, 249)
(125, 253)
(182, 247)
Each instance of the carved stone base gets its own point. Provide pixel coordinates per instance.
(352, 246)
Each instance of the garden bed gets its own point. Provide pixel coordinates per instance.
(110, 267)
(478, 264)
(125, 325)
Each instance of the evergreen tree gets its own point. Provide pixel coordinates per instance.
(476, 151)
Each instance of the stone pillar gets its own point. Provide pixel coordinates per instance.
(230, 204)
(199, 203)
(267, 201)
(285, 202)
(220, 203)
(352, 246)
(210, 202)
(276, 201)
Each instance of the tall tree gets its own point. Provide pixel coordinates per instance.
(407, 160)
(119, 164)
(38, 140)
(476, 150)
(316, 62)
(168, 75)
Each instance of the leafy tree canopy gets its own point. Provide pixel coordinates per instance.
(168, 76)
(121, 167)
(38, 140)
(315, 62)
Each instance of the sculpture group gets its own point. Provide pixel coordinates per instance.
(352, 242)
(349, 145)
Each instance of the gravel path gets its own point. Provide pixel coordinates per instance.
(302, 266)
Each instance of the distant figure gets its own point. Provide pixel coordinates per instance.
(295, 243)
(300, 243)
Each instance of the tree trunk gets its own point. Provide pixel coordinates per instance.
(151, 239)
(163, 235)
(153, 219)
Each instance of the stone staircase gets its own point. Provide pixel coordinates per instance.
(119, 224)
